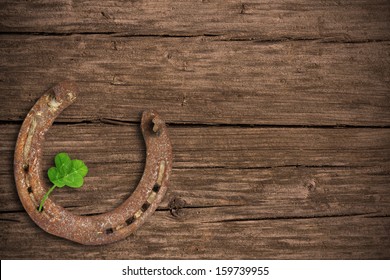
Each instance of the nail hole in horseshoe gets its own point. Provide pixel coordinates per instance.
(145, 206)
(129, 221)
(43, 209)
(29, 190)
(154, 127)
(156, 187)
(25, 167)
(109, 231)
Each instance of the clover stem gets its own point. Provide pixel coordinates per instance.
(45, 197)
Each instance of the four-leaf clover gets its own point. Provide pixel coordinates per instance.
(67, 172)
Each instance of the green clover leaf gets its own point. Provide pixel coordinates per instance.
(67, 172)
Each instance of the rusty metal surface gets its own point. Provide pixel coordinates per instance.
(90, 230)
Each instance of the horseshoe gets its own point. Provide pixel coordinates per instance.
(98, 229)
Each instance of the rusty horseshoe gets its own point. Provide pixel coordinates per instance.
(98, 229)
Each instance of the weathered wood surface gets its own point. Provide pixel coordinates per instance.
(202, 80)
(273, 178)
(279, 114)
(268, 20)
(229, 165)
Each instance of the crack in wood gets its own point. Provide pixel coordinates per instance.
(9, 220)
(271, 167)
(294, 217)
(12, 211)
(110, 121)
(217, 37)
(379, 216)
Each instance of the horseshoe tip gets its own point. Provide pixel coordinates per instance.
(149, 114)
(154, 120)
(65, 90)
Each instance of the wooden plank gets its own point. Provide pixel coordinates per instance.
(233, 194)
(273, 172)
(337, 20)
(351, 237)
(198, 80)
(211, 147)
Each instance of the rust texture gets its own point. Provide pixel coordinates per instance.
(90, 230)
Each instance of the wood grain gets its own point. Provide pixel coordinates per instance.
(267, 20)
(197, 80)
(224, 195)
(278, 111)
(213, 147)
(232, 195)
(351, 237)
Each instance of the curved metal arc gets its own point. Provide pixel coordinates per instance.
(100, 229)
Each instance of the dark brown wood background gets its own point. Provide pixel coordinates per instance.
(279, 114)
